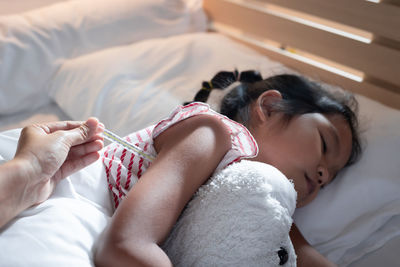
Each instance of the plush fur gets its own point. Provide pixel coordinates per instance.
(241, 217)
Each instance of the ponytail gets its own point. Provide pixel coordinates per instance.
(222, 80)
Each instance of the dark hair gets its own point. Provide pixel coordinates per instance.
(299, 96)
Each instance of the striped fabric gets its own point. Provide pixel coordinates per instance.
(123, 168)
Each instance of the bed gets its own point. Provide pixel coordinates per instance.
(129, 63)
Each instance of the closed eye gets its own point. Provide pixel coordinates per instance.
(323, 146)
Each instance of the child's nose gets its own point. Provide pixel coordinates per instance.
(323, 175)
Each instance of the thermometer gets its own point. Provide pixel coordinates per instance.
(129, 146)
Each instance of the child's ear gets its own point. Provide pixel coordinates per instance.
(265, 102)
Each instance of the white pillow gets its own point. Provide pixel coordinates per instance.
(364, 196)
(34, 44)
(131, 87)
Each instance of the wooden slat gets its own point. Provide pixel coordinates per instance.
(378, 18)
(365, 88)
(380, 61)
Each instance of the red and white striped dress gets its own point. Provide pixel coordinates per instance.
(123, 168)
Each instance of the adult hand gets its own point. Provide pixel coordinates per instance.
(50, 152)
(46, 153)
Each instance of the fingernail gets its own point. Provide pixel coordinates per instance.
(100, 128)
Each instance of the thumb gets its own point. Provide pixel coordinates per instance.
(83, 133)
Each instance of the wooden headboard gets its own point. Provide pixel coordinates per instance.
(351, 43)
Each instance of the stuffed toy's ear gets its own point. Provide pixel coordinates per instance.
(241, 217)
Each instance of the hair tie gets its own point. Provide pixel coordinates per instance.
(207, 85)
(204, 92)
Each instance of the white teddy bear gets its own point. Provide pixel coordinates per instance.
(241, 217)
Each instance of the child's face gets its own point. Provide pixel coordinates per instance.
(310, 149)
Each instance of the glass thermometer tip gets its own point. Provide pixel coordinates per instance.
(132, 148)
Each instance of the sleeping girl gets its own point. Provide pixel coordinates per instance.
(287, 121)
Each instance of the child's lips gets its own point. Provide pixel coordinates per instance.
(310, 184)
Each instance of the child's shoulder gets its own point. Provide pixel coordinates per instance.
(187, 118)
(190, 118)
(192, 110)
(182, 113)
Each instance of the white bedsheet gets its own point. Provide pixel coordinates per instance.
(385, 255)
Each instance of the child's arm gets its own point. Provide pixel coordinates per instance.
(188, 153)
(306, 254)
